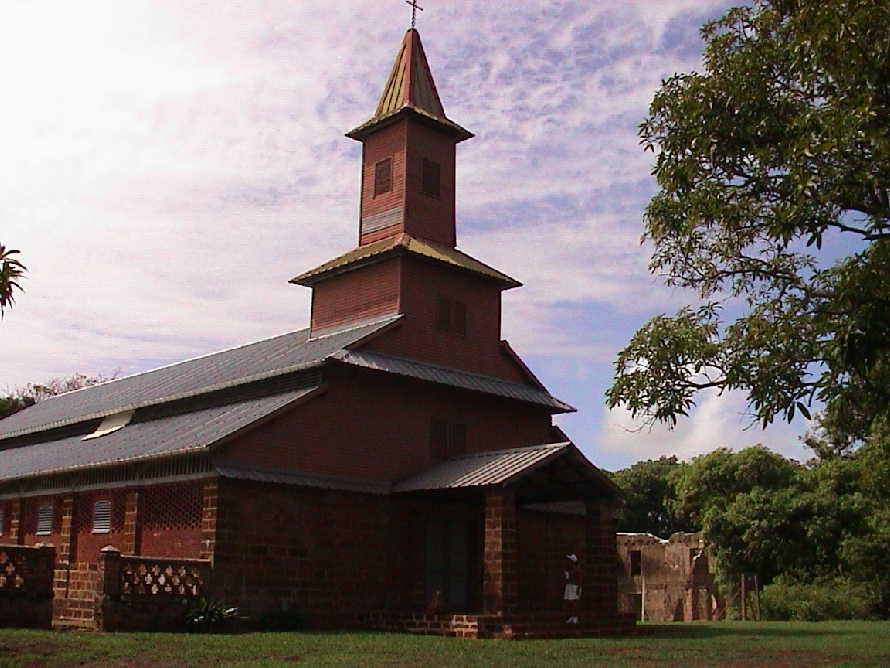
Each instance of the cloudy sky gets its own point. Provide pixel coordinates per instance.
(168, 166)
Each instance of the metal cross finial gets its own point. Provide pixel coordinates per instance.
(414, 8)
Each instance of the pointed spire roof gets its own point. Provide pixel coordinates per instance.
(410, 89)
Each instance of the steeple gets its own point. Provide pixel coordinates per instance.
(408, 157)
(410, 88)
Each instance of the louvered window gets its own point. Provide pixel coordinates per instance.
(102, 516)
(452, 317)
(447, 438)
(444, 319)
(383, 177)
(45, 520)
(457, 443)
(459, 318)
(438, 438)
(431, 175)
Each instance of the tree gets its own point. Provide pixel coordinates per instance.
(11, 271)
(648, 494)
(773, 169)
(32, 393)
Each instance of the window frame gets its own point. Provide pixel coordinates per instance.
(431, 171)
(378, 182)
(51, 508)
(109, 503)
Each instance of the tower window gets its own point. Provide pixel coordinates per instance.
(383, 177)
(452, 317)
(447, 438)
(430, 184)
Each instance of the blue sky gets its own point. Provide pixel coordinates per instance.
(169, 166)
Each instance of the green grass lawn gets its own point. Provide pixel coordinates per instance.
(721, 644)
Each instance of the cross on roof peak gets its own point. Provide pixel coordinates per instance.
(414, 8)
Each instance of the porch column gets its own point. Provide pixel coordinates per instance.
(600, 568)
(500, 589)
(132, 539)
(67, 547)
(209, 510)
(16, 530)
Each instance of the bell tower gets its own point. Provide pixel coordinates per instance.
(408, 156)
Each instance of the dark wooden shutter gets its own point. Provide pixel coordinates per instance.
(45, 520)
(383, 177)
(444, 319)
(438, 438)
(431, 175)
(102, 516)
(457, 444)
(459, 318)
(2, 521)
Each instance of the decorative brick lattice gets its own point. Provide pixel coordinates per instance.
(154, 578)
(11, 576)
(172, 506)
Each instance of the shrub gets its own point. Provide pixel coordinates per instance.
(207, 615)
(817, 601)
(283, 620)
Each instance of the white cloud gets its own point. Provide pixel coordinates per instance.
(718, 421)
(167, 167)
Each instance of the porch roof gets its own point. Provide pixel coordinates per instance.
(504, 467)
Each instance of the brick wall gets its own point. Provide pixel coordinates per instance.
(369, 291)
(428, 217)
(418, 336)
(387, 435)
(388, 142)
(322, 553)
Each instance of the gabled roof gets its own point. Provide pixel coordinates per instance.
(403, 243)
(503, 467)
(144, 439)
(410, 88)
(249, 363)
(453, 377)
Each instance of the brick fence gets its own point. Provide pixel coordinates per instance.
(26, 585)
(147, 593)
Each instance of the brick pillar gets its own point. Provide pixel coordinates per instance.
(67, 548)
(108, 587)
(500, 590)
(132, 537)
(600, 568)
(209, 513)
(16, 530)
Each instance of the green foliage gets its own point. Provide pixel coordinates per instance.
(11, 272)
(772, 164)
(648, 493)
(816, 601)
(208, 616)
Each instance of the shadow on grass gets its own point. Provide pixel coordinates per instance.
(703, 631)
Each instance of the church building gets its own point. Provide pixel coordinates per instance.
(393, 466)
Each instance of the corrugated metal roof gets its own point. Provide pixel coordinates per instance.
(405, 242)
(176, 434)
(453, 377)
(254, 361)
(482, 469)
